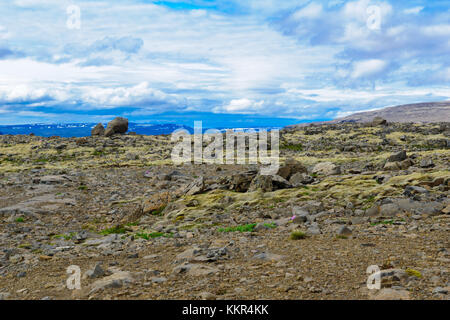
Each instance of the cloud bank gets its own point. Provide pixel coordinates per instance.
(300, 59)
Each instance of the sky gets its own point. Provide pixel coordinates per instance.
(89, 61)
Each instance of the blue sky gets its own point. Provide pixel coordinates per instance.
(295, 59)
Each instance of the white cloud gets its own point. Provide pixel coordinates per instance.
(437, 30)
(368, 68)
(123, 96)
(242, 105)
(414, 10)
(312, 10)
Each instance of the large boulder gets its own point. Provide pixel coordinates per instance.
(378, 121)
(290, 168)
(398, 161)
(326, 168)
(98, 130)
(399, 156)
(118, 126)
(269, 183)
(300, 179)
(240, 182)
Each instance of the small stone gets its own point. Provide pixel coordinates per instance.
(397, 157)
(207, 296)
(427, 163)
(266, 256)
(391, 294)
(345, 231)
(158, 279)
(372, 211)
(4, 295)
(413, 190)
(96, 272)
(440, 290)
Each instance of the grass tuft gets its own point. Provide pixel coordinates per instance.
(297, 235)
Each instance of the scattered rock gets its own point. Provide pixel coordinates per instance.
(116, 280)
(344, 231)
(391, 294)
(378, 121)
(268, 183)
(98, 130)
(95, 272)
(326, 168)
(117, 126)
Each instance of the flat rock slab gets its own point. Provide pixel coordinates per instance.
(51, 180)
(266, 256)
(196, 270)
(390, 294)
(116, 280)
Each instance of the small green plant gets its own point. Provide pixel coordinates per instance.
(415, 273)
(82, 187)
(270, 225)
(292, 147)
(243, 228)
(20, 220)
(114, 230)
(158, 212)
(97, 153)
(385, 222)
(341, 236)
(67, 236)
(297, 235)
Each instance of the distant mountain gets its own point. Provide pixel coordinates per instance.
(418, 112)
(428, 112)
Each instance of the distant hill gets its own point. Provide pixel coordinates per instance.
(428, 112)
(418, 112)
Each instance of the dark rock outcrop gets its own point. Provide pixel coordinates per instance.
(118, 126)
(98, 130)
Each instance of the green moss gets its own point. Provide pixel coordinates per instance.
(297, 235)
(412, 272)
(114, 230)
(67, 236)
(243, 228)
(158, 212)
(292, 147)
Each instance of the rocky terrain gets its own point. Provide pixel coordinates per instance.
(347, 196)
